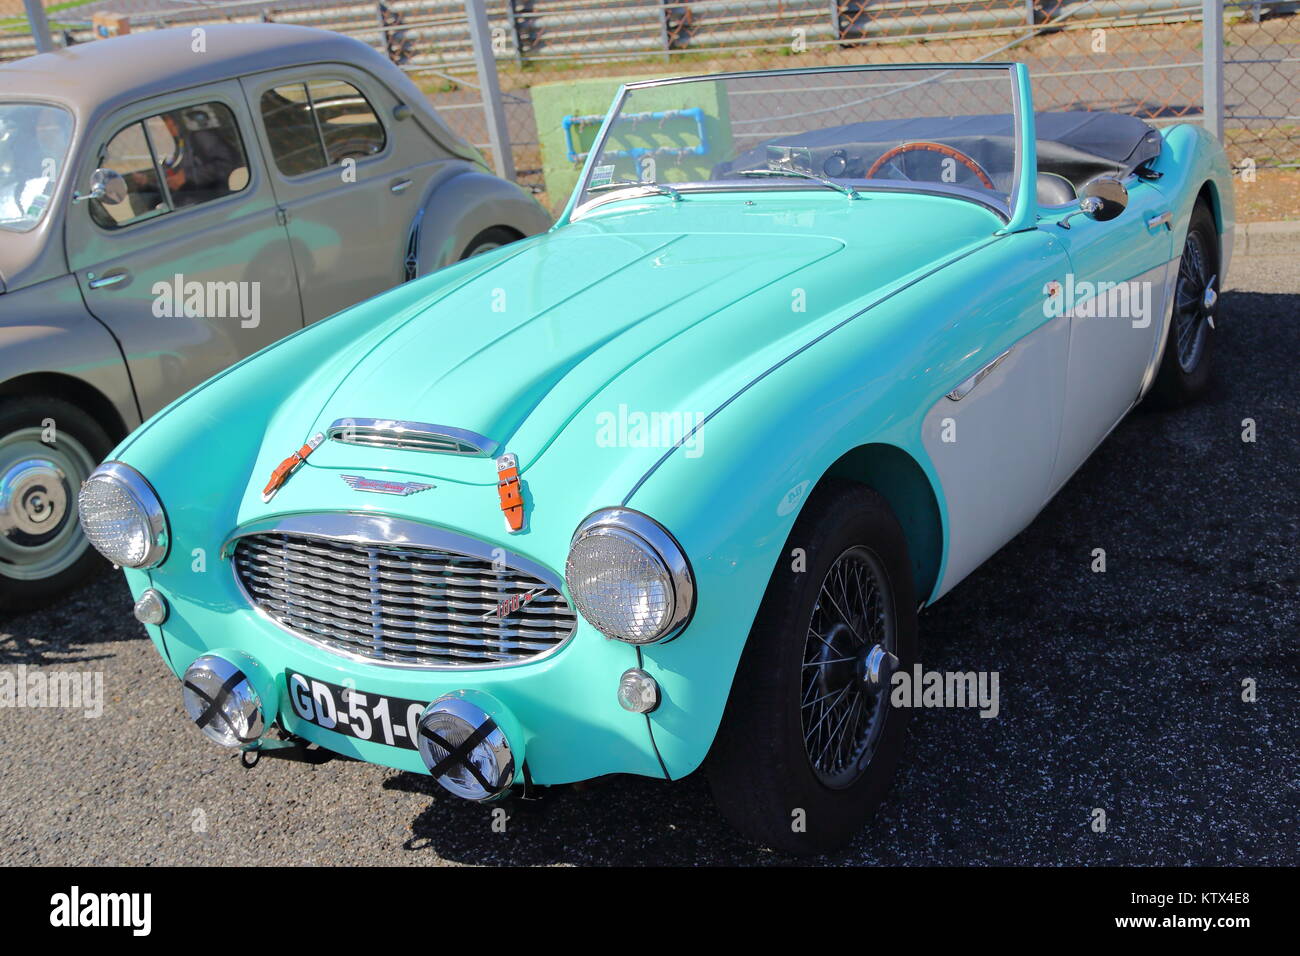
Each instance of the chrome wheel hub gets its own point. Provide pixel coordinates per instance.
(33, 498)
(39, 533)
(849, 655)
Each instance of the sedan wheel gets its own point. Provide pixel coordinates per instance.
(42, 549)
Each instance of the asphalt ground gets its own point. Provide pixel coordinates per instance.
(1119, 691)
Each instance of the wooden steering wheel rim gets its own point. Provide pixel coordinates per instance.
(925, 146)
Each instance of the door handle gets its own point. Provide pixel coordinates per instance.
(106, 281)
(1163, 219)
(401, 186)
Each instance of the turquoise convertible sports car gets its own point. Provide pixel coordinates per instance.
(666, 486)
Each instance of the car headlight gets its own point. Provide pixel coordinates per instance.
(122, 516)
(629, 578)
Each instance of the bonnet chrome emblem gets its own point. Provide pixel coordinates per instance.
(380, 486)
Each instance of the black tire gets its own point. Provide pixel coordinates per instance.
(40, 562)
(760, 769)
(489, 239)
(1184, 373)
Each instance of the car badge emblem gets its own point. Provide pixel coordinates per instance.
(510, 492)
(513, 603)
(286, 467)
(382, 487)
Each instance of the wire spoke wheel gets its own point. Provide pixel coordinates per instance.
(1192, 305)
(850, 645)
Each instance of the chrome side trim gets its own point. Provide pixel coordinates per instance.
(625, 521)
(968, 386)
(411, 436)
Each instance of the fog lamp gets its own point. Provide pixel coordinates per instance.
(221, 700)
(465, 750)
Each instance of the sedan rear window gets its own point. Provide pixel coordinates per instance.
(33, 143)
(320, 123)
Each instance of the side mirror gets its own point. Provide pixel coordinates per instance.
(106, 186)
(1104, 198)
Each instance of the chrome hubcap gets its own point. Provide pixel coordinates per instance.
(39, 536)
(1194, 301)
(849, 655)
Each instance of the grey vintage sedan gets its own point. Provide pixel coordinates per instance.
(173, 201)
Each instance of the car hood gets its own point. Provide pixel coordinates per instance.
(647, 306)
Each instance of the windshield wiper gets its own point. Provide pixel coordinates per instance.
(623, 183)
(829, 183)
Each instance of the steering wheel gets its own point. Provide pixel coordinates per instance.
(927, 147)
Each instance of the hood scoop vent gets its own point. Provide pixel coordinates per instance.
(411, 436)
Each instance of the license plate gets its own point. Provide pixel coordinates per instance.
(346, 710)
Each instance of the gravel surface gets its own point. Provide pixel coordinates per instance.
(1120, 691)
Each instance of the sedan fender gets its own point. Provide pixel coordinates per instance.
(464, 205)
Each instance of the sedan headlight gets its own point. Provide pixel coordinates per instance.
(122, 516)
(629, 578)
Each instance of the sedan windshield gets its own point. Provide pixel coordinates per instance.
(33, 143)
(930, 129)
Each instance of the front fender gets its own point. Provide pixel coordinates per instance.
(1190, 158)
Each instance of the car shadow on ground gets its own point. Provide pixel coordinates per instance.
(1120, 690)
(79, 628)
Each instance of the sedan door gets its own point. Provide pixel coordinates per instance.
(192, 271)
(350, 178)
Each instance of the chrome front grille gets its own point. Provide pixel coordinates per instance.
(398, 604)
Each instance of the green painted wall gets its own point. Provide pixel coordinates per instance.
(553, 101)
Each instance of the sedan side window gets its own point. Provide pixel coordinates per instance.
(180, 158)
(313, 125)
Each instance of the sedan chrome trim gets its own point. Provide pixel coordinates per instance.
(411, 436)
(968, 386)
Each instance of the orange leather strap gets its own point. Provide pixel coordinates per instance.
(510, 492)
(286, 467)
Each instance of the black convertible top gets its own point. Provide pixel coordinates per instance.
(1078, 145)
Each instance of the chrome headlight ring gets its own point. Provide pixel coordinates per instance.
(115, 479)
(655, 613)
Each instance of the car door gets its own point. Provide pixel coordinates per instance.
(348, 177)
(992, 436)
(1116, 294)
(192, 271)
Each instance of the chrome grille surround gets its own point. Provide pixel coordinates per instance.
(400, 593)
(411, 436)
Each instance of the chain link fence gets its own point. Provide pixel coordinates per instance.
(1144, 57)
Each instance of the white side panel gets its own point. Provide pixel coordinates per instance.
(994, 450)
(1111, 346)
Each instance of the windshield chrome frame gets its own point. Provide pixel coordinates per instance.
(1014, 213)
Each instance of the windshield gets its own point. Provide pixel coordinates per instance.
(33, 143)
(931, 129)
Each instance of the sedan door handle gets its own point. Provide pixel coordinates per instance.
(1161, 220)
(105, 281)
(400, 186)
